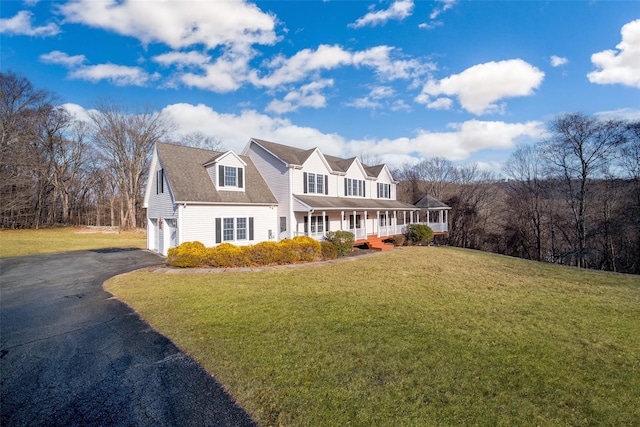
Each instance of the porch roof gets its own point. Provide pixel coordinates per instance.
(352, 204)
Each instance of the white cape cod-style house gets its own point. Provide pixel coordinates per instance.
(270, 192)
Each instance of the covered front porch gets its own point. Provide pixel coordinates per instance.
(315, 216)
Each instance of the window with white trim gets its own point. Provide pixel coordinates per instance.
(230, 177)
(384, 191)
(315, 183)
(234, 229)
(227, 230)
(354, 187)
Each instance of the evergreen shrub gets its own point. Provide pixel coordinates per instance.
(343, 240)
(419, 233)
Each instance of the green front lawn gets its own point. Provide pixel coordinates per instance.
(48, 240)
(417, 337)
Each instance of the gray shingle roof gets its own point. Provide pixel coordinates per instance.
(347, 203)
(430, 202)
(374, 171)
(339, 164)
(190, 182)
(290, 155)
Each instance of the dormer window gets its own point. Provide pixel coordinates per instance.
(384, 191)
(230, 177)
(315, 183)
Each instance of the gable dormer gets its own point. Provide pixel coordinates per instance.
(227, 171)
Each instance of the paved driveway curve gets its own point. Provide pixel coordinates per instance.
(70, 355)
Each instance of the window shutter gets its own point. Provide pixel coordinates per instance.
(378, 190)
(240, 183)
(326, 184)
(251, 228)
(306, 223)
(304, 184)
(345, 186)
(158, 182)
(161, 180)
(326, 223)
(364, 188)
(221, 176)
(218, 230)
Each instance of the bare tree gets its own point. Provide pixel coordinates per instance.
(580, 149)
(630, 162)
(471, 206)
(126, 140)
(437, 174)
(198, 139)
(22, 108)
(525, 192)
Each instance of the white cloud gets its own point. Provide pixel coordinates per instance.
(226, 74)
(236, 24)
(444, 6)
(557, 61)
(479, 87)
(21, 25)
(234, 130)
(374, 100)
(307, 96)
(398, 10)
(400, 105)
(364, 103)
(628, 114)
(308, 62)
(430, 25)
(300, 65)
(459, 142)
(621, 66)
(57, 57)
(440, 104)
(380, 92)
(117, 74)
(78, 112)
(182, 59)
(379, 58)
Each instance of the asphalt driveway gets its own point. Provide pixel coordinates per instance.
(70, 355)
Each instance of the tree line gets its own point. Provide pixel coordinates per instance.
(58, 170)
(571, 198)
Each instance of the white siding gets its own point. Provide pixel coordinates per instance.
(160, 205)
(276, 175)
(199, 222)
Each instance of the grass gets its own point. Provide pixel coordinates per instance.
(416, 337)
(30, 242)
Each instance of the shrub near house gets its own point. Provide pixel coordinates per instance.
(287, 251)
(419, 233)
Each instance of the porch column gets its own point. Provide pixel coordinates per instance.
(324, 223)
(365, 224)
(387, 222)
(378, 219)
(395, 222)
(404, 219)
(341, 220)
(355, 226)
(411, 217)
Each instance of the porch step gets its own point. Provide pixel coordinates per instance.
(375, 243)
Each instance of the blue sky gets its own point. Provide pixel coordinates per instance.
(403, 80)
